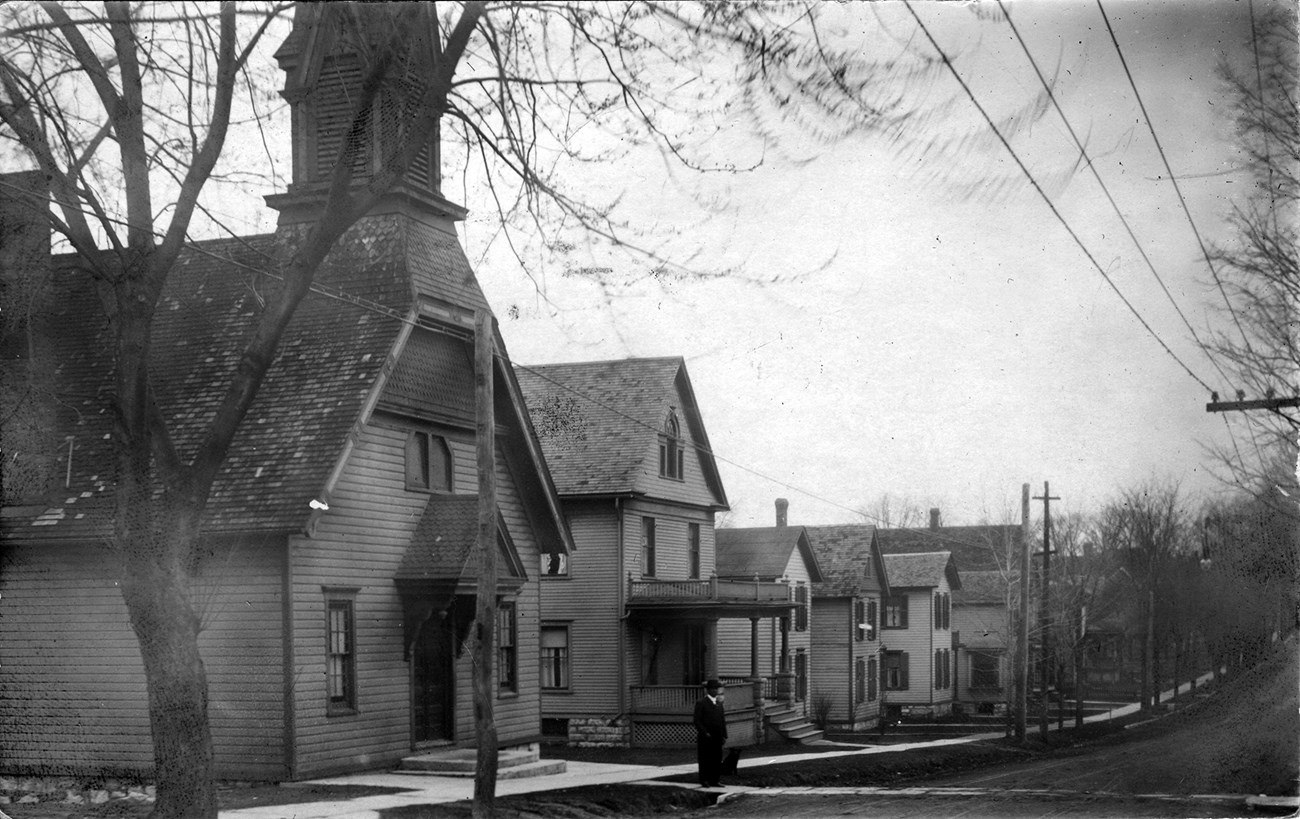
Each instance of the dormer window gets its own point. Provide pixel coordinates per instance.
(670, 449)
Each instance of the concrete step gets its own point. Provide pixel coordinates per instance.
(462, 761)
(806, 735)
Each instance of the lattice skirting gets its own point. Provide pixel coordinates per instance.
(648, 733)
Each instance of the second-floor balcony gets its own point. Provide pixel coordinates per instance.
(721, 597)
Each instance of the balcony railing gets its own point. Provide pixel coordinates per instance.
(711, 590)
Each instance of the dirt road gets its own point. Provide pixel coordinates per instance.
(1203, 761)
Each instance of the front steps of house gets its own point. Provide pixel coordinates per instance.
(513, 763)
(792, 725)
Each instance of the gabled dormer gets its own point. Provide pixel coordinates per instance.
(326, 59)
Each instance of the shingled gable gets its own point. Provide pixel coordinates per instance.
(763, 552)
(847, 554)
(975, 548)
(922, 570)
(598, 422)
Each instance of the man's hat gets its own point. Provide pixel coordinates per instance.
(713, 685)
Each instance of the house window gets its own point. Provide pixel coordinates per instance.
(860, 682)
(801, 607)
(428, 462)
(896, 663)
(670, 449)
(984, 671)
(943, 668)
(871, 679)
(340, 656)
(942, 610)
(860, 620)
(555, 564)
(555, 656)
(896, 611)
(872, 622)
(693, 536)
(648, 547)
(507, 648)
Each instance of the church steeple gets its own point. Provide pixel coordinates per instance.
(324, 59)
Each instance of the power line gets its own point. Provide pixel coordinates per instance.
(807, 493)
(1046, 199)
(1205, 253)
(1106, 190)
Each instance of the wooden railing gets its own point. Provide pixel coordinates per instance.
(681, 699)
(773, 687)
(711, 589)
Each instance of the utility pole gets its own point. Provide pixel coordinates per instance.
(1021, 705)
(1269, 402)
(485, 619)
(1044, 618)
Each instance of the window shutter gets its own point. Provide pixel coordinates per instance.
(938, 610)
(905, 664)
(871, 618)
(902, 612)
(871, 680)
(947, 611)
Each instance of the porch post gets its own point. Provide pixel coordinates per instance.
(785, 645)
(753, 648)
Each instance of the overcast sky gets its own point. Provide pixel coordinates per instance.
(921, 342)
(952, 348)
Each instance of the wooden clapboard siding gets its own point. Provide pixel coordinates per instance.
(72, 686)
(589, 601)
(985, 627)
(358, 545)
(672, 558)
(832, 639)
(692, 487)
(920, 640)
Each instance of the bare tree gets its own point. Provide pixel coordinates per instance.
(1149, 526)
(1256, 274)
(125, 110)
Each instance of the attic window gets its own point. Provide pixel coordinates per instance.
(670, 449)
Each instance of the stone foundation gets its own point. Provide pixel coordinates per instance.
(602, 732)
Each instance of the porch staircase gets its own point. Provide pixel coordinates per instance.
(792, 725)
(513, 763)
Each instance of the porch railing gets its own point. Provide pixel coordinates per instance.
(681, 699)
(712, 589)
(777, 687)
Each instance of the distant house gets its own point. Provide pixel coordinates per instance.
(775, 651)
(846, 639)
(916, 633)
(981, 621)
(337, 582)
(630, 620)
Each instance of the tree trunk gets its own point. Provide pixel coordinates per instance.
(156, 593)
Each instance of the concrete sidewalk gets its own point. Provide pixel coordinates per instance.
(427, 789)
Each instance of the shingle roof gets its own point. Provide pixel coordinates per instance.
(329, 359)
(921, 570)
(844, 554)
(598, 421)
(975, 548)
(445, 543)
(764, 552)
(981, 588)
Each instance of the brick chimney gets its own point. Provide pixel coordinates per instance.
(782, 506)
(934, 517)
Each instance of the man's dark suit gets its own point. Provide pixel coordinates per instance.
(711, 734)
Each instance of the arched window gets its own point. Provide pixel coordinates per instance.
(670, 449)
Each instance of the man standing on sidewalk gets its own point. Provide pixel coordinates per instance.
(711, 734)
